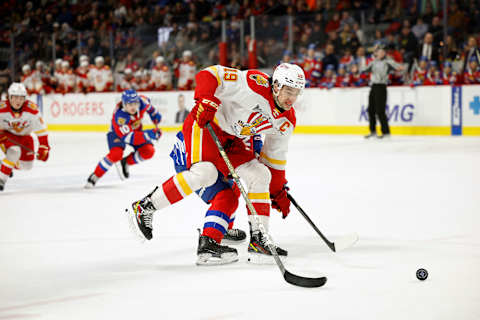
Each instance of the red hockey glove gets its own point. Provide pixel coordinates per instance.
(278, 192)
(205, 109)
(43, 148)
(281, 202)
(43, 152)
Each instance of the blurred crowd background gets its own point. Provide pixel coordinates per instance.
(97, 46)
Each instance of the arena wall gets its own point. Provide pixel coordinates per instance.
(425, 110)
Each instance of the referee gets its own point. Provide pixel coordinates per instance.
(377, 99)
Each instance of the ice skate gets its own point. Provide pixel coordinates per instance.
(91, 181)
(140, 217)
(2, 185)
(258, 251)
(210, 252)
(233, 236)
(371, 135)
(122, 169)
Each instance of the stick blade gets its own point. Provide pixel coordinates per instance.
(304, 281)
(345, 242)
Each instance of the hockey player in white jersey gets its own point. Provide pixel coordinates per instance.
(237, 104)
(161, 76)
(100, 76)
(18, 119)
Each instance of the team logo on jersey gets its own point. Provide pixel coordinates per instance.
(121, 121)
(18, 126)
(136, 124)
(259, 79)
(257, 122)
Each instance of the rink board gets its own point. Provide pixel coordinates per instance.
(428, 110)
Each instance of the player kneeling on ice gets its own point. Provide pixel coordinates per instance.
(18, 119)
(126, 130)
(237, 104)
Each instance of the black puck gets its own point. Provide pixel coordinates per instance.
(422, 274)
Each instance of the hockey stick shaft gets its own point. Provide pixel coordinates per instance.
(245, 197)
(289, 277)
(330, 244)
(21, 145)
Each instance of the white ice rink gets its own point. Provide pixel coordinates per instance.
(67, 253)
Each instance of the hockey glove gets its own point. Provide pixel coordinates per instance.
(154, 134)
(204, 110)
(278, 192)
(43, 148)
(281, 202)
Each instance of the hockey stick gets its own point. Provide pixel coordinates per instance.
(21, 145)
(335, 247)
(288, 276)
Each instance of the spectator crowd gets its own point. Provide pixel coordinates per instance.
(97, 46)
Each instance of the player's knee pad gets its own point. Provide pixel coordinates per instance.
(225, 201)
(26, 165)
(256, 175)
(14, 153)
(204, 173)
(147, 151)
(115, 154)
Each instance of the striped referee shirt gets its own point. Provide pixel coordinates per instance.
(380, 69)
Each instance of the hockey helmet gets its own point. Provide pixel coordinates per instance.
(288, 74)
(17, 89)
(99, 59)
(130, 96)
(159, 59)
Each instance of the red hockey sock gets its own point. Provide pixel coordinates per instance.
(217, 218)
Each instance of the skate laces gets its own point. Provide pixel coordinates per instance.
(144, 210)
(233, 232)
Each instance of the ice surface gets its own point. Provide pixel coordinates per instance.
(67, 253)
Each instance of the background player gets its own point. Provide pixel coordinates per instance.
(18, 119)
(126, 130)
(238, 104)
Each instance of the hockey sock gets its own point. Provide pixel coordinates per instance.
(217, 218)
(232, 220)
(7, 167)
(173, 190)
(103, 166)
(261, 203)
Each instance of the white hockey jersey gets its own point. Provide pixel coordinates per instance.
(22, 123)
(186, 74)
(247, 108)
(101, 79)
(161, 78)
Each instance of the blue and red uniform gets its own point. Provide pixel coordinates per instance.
(127, 129)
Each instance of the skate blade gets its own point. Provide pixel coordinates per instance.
(260, 258)
(207, 259)
(89, 186)
(132, 222)
(118, 166)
